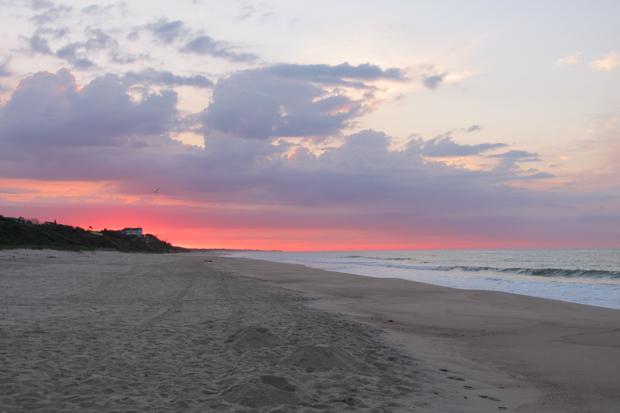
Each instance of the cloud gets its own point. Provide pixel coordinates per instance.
(247, 12)
(70, 51)
(41, 4)
(4, 71)
(87, 134)
(206, 46)
(17, 191)
(427, 75)
(539, 175)
(152, 76)
(432, 82)
(51, 12)
(48, 110)
(510, 159)
(76, 53)
(335, 75)
(97, 9)
(262, 104)
(58, 131)
(611, 60)
(167, 31)
(472, 128)
(443, 146)
(50, 129)
(570, 60)
(39, 44)
(127, 58)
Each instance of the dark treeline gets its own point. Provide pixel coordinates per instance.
(31, 234)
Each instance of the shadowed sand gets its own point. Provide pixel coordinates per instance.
(111, 332)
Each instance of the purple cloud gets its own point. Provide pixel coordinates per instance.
(262, 105)
(4, 71)
(444, 146)
(166, 31)
(52, 130)
(155, 77)
(335, 75)
(510, 159)
(206, 46)
(48, 109)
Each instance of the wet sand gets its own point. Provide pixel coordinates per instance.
(112, 332)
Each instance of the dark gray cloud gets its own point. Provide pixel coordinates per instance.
(259, 104)
(48, 110)
(206, 46)
(167, 31)
(156, 77)
(444, 146)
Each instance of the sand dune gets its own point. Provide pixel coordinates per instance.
(111, 332)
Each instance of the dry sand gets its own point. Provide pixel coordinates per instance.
(111, 332)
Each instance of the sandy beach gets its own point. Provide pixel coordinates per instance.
(111, 332)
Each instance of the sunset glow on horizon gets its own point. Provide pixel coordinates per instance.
(405, 125)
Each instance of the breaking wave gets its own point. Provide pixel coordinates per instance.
(540, 272)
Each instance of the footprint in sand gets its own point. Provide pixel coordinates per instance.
(267, 390)
(254, 337)
(322, 357)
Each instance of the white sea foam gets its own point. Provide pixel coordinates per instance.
(585, 276)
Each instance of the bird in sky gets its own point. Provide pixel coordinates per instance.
(155, 191)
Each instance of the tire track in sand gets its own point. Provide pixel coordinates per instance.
(238, 309)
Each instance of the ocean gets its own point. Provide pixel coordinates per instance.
(584, 276)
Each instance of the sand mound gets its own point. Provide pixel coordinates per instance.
(267, 390)
(254, 337)
(323, 358)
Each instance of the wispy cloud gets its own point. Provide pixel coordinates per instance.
(167, 31)
(472, 128)
(206, 46)
(4, 68)
(444, 146)
(607, 64)
(155, 77)
(570, 60)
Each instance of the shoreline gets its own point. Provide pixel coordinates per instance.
(568, 352)
(106, 331)
(511, 272)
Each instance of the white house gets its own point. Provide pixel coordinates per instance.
(131, 232)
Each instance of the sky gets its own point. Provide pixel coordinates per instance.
(324, 125)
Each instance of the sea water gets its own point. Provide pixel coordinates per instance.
(585, 276)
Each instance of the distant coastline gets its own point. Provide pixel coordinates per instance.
(228, 250)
